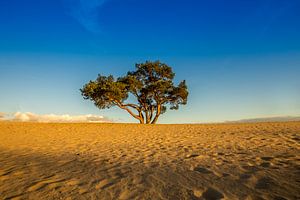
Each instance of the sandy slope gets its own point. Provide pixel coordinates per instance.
(127, 161)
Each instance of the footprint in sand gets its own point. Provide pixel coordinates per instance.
(202, 170)
(212, 194)
(250, 168)
(72, 182)
(42, 184)
(279, 198)
(104, 184)
(225, 174)
(18, 173)
(5, 172)
(297, 139)
(128, 194)
(15, 197)
(3, 178)
(38, 186)
(264, 183)
(265, 164)
(191, 156)
(83, 190)
(267, 158)
(244, 177)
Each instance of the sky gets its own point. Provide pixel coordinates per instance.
(241, 59)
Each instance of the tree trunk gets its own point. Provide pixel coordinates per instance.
(141, 117)
(148, 119)
(158, 111)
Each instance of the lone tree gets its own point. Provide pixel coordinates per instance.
(151, 84)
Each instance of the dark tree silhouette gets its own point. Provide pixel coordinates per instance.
(152, 86)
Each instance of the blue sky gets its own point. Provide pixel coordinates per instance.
(241, 59)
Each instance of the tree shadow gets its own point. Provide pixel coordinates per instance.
(33, 175)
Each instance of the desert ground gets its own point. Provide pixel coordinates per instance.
(131, 161)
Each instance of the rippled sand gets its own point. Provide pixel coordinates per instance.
(130, 161)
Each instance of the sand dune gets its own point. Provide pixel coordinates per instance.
(128, 161)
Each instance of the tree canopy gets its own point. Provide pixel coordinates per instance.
(151, 84)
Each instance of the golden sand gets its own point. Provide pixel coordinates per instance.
(130, 161)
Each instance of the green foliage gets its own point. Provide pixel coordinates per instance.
(151, 84)
(105, 91)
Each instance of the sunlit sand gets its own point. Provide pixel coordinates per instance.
(130, 161)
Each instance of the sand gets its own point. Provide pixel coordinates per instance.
(130, 161)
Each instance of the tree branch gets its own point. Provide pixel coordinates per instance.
(151, 113)
(158, 111)
(132, 106)
(120, 105)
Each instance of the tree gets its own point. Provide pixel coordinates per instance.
(152, 86)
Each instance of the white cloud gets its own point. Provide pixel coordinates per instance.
(32, 117)
(2, 115)
(86, 12)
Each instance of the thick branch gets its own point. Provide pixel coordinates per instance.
(158, 111)
(123, 106)
(132, 106)
(142, 120)
(151, 112)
